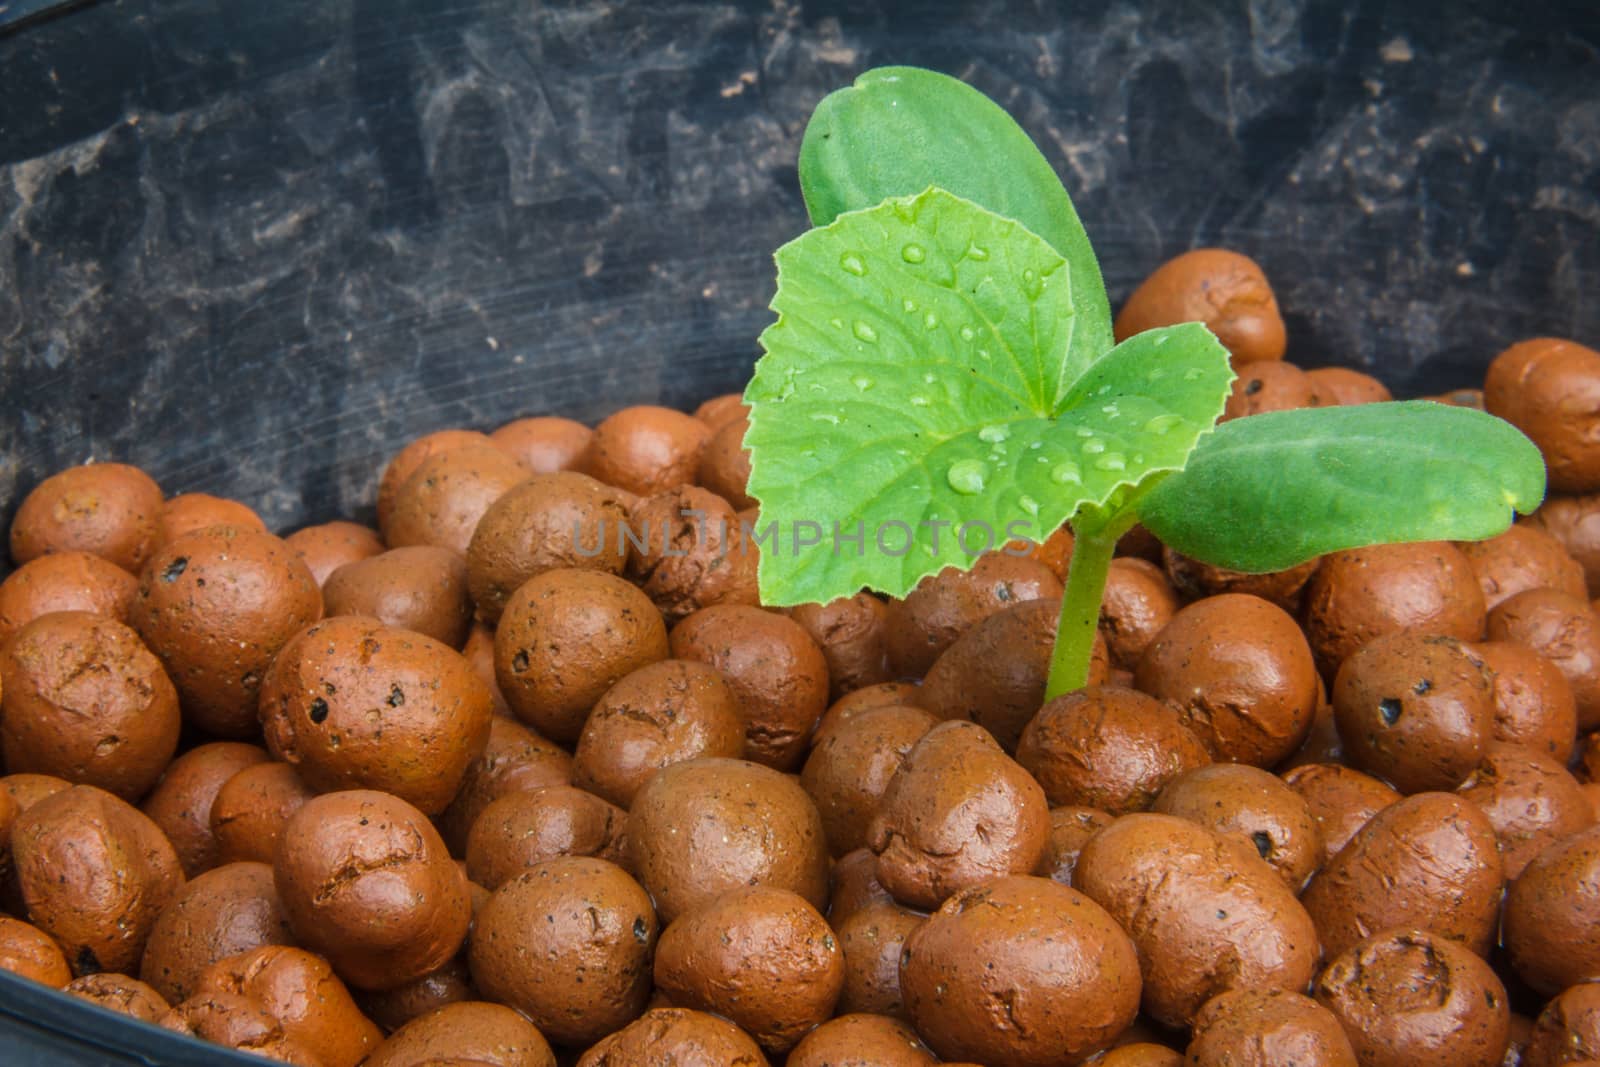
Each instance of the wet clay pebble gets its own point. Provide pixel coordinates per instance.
(121, 994)
(188, 512)
(775, 669)
(1430, 860)
(849, 770)
(215, 606)
(853, 635)
(1574, 520)
(872, 938)
(64, 581)
(1193, 580)
(995, 673)
(522, 830)
(1070, 830)
(353, 704)
(330, 545)
(1225, 290)
(1107, 748)
(1415, 710)
(959, 812)
(544, 443)
(1363, 593)
(853, 885)
(1567, 1030)
(1339, 386)
(706, 826)
(85, 701)
(471, 1031)
(444, 499)
(1409, 996)
(1524, 557)
(690, 553)
(236, 1022)
(1139, 1054)
(299, 991)
(1274, 385)
(763, 957)
(565, 638)
(725, 464)
(1552, 915)
(248, 814)
(366, 882)
(181, 801)
(393, 1008)
(1549, 389)
(1564, 630)
(30, 952)
(1253, 806)
(94, 874)
(1241, 675)
(946, 605)
(563, 519)
(1247, 1028)
(721, 410)
(646, 449)
(515, 760)
(108, 510)
(1138, 602)
(1533, 702)
(1530, 800)
(1020, 971)
(223, 912)
(420, 588)
(872, 696)
(1205, 912)
(660, 714)
(861, 1040)
(479, 650)
(405, 463)
(1341, 799)
(676, 1037)
(568, 943)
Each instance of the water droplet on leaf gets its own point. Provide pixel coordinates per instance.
(913, 253)
(1162, 424)
(930, 320)
(851, 263)
(968, 333)
(977, 252)
(1028, 504)
(1065, 474)
(865, 332)
(862, 382)
(994, 434)
(967, 476)
(1111, 461)
(1094, 446)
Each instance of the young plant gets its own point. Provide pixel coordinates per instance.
(941, 379)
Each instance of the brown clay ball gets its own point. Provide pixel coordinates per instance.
(1341, 799)
(405, 463)
(181, 801)
(1430, 860)
(722, 409)
(853, 635)
(1567, 1030)
(330, 545)
(28, 951)
(64, 581)
(366, 882)
(1070, 830)
(1524, 557)
(1108, 748)
(1225, 290)
(1531, 801)
(225, 911)
(853, 886)
(1550, 390)
(188, 512)
(236, 1022)
(1020, 971)
(108, 510)
(1252, 806)
(468, 1032)
(1251, 1028)
(94, 874)
(946, 605)
(250, 809)
(565, 638)
(689, 552)
(676, 1037)
(522, 830)
(861, 1040)
(958, 813)
(1138, 602)
(568, 943)
(563, 519)
(299, 991)
(446, 496)
(1269, 385)
(121, 994)
(1533, 701)
(1340, 386)
(872, 939)
(515, 760)
(660, 714)
(646, 450)
(1363, 593)
(1563, 629)
(775, 669)
(1551, 931)
(1574, 520)
(702, 827)
(421, 588)
(216, 605)
(393, 1008)
(725, 464)
(85, 701)
(849, 770)
(872, 696)
(1193, 580)
(1241, 675)
(545, 443)
(352, 704)
(761, 956)
(1411, 996)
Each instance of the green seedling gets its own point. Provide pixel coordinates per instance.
(942, 364)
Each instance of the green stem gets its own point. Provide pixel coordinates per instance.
(1092, 548)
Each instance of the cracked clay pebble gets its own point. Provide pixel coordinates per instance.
(223, 912)
(299, 991)
(524, 829)
(1564, 630)
(675, 1037)
(473, 1032)
(1533, 702)
(853, 635)
(64, 581)
(946, 605)
(1341, 799)
(849, 770)
(1552, 915)
(1567, 1030)
(1253, 806)
(1549, 388)
(1523, 557)
(236, 1022)
(121, 994)
(861, 1040)
(1250, 1028)
(248, 814)
(1070, 830)
(515, 760)
(1531, 800)
(689, 552)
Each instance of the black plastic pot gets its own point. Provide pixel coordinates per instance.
(253, 248)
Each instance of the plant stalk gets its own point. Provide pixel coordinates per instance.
(1092, 549)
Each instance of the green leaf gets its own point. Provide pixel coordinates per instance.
(1269, 491)
(898, 130)
(920, 372)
